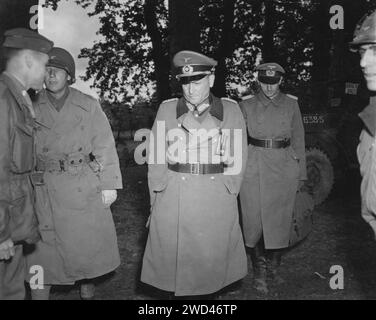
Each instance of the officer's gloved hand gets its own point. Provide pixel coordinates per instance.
(108, 197)
(372, 223)
(6, 249)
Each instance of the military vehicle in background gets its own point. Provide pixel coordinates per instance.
(331, 137)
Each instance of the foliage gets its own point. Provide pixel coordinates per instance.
(123, 63)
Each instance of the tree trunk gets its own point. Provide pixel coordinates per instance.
(225, 49)
(14, 14)
(159, 51)
(184, 31)
(268, 48)
(321, 54)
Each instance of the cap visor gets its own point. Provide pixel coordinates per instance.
(187, 79)
(269, 80)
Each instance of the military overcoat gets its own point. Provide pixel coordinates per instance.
(17, 216)
(78, 233)
(195, 245)
(272, 175)
(366, 152)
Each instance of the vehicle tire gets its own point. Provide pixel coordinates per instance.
(320, 175)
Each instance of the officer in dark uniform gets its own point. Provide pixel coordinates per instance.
(195, 245)
(25, 54)
(275, 170)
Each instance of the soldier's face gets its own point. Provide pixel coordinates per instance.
(37, 69)
(368, 64)
(197, 91)
(56, 79)
(270, 90)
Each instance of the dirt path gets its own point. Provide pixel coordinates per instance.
(340, 237)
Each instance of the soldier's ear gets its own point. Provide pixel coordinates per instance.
(211, 80)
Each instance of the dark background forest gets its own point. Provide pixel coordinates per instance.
(139, 38)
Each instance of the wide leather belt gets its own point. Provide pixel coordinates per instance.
(269, 143)
(197, 168)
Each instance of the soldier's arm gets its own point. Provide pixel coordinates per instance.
(297, 140)
(156, 153)
(4, 172)
(239, 151)
(104, 150)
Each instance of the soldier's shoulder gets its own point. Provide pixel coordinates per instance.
(291, 96)
(166, 105)
(231, 101)
(83, 100)
(83, 96)
(248, 97)
(169, 101)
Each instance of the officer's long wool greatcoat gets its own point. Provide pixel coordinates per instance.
(195, 245)
(272, 175)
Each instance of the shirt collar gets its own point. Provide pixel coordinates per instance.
(16, 81)
(215, 109)
(368, 116)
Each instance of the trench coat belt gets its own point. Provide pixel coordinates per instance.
(269, 143)
(197, 168)
(53, 165)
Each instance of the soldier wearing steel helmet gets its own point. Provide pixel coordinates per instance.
(25, 54)
(195, 245)
(275, 169)
(364, 42)
(79, 174)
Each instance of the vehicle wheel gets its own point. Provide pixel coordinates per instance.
(320, 175)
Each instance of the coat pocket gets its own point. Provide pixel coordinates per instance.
(21, 149)
(74, 192)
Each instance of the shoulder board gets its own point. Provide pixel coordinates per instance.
(292, 97)
(169, 100)
(247, 97)
(229, 100)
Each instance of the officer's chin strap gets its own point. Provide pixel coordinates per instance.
(196, 111)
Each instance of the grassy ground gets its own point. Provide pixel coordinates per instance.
(340, 237)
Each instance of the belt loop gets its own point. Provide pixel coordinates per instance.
(195, 169)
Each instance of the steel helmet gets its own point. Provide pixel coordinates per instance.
(61, 58)
(365, 31)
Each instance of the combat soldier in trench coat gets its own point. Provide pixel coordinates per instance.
(25, 56)
(275, 169)
(79, 169)
(364, 42)
(195, 245)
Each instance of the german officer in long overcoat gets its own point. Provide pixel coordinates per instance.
(25, 56)
(197, 158)
(275, 169)
(79, 169)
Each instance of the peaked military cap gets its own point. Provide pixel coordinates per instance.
(269, 73)
(192, 65)
(22, 38)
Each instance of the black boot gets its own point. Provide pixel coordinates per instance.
(275, 262)
(259, 268)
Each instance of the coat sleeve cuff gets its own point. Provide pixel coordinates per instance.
(111, 184)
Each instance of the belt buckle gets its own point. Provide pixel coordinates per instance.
(269, 143)
(195, 169)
